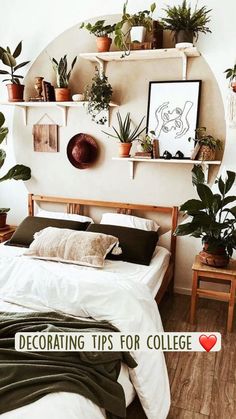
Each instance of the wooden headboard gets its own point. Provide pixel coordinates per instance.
(76, 206)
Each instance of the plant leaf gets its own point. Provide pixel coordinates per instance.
(205, 194)
(230, 181)
(18, 49)
(17, 172)
(192, 205)
(21, 65)
(2, 157)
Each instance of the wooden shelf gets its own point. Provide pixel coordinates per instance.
(205, 163)
(152, 54)
(63, 106)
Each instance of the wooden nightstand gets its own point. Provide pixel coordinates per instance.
(7, 233)
(207, 273)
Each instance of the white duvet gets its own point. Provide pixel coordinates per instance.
(102, 295)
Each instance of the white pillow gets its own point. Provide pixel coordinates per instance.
(129, 221)
(62, 216)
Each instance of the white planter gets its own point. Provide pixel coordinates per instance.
(137, 34)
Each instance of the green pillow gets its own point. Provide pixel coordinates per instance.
(137, 245)
(24, 234)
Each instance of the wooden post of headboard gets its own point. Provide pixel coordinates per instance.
(30, 204)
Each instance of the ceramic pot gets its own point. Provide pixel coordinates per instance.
(184, 36)
(206, 153)
(15, 92)
(3, 219)
(124, 149)
(137, 34)
(103, 43)
(62, 94)
(218, 258)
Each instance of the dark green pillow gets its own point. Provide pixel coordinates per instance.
(24, 234)
(137, 245)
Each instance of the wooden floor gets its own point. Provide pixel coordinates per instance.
(203, 385)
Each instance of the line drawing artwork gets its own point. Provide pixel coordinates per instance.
(173, 120)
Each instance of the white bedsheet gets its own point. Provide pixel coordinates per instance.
(116, 294)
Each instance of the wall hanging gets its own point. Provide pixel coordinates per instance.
(45, 136)
(82, 151)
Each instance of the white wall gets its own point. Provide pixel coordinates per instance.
(38, 24)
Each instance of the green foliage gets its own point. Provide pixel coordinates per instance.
(4, 210)
(9, 59)
(212, 219)
(184, 17)
(203, 138)
(126, 134)
(231, 73)
(141, 18)
(146, 143)
(99, 28)
(60, 68)
(98, 96)
(17, 172)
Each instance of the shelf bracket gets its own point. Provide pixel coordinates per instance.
(131, 169)
(64, 110)
(101, 65)
(25, 114)
(184, 65)
(205, 169)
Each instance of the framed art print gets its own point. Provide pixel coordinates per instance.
(173, 114)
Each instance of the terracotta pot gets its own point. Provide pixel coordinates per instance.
(124, 149)
(103, 43)
(15, 92)
(218, 258)
(233, 85)
(206, 153)
(3, 219)
(183, 36)
(62, 94)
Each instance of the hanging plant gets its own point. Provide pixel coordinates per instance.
(98, 97)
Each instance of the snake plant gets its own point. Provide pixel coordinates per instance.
(60, 68)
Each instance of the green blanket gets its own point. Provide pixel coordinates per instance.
(27, 376)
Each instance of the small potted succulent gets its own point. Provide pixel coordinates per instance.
(101, 31)
(125, 134)
(98, 97)
(62, 91)
(18, 172)
(15, 88)
(186, 22)
(206, 144)
(138, 24)
(231, 75)
(213, 219)
(145, 144)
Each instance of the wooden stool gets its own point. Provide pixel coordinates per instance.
(207, 273)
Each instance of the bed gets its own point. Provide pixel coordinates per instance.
(126, 297)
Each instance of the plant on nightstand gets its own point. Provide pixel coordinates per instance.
(15, 88)
(98, 97)
(62, 91)
(186, 23)
(231, 75)
(101, 31)
(18, 172)
(213, 219)
(206, 144)
(125, 134)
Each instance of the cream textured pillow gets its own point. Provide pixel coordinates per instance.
(70, 246)
(131, 221)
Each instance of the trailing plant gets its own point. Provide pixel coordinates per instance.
(9, 59)
(60, 68)
(184, 17)
(125, 133)
(212, 219)
(231, 73)
(98, 96)
(141, 18)
(17, 172)
(202, 138)
(99, 28)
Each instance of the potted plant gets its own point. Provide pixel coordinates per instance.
(98, 97)
(62, 91)
(101, 31)
(18, 172)
(15, 88)
(231, 75)
(186, 23)
(125, 134)
(138, 24)
(212, 219)
(206, 144)
(145, 144)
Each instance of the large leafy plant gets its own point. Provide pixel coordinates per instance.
(213, 215)
(60, 67)
(125, 133)
(202, 138)
(184, 17)
(9, 59)
(17, 172)
(99, 28)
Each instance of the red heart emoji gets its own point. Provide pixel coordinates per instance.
(207, 342)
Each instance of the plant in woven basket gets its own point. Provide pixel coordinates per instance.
(206, 143)
(213, 216)
(17, 172)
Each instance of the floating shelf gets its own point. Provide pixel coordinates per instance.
(63, 106)
(205, 163)
(152, 54)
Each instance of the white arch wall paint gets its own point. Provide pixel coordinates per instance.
(39, 25)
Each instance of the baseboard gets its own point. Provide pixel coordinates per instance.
(182, 290)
